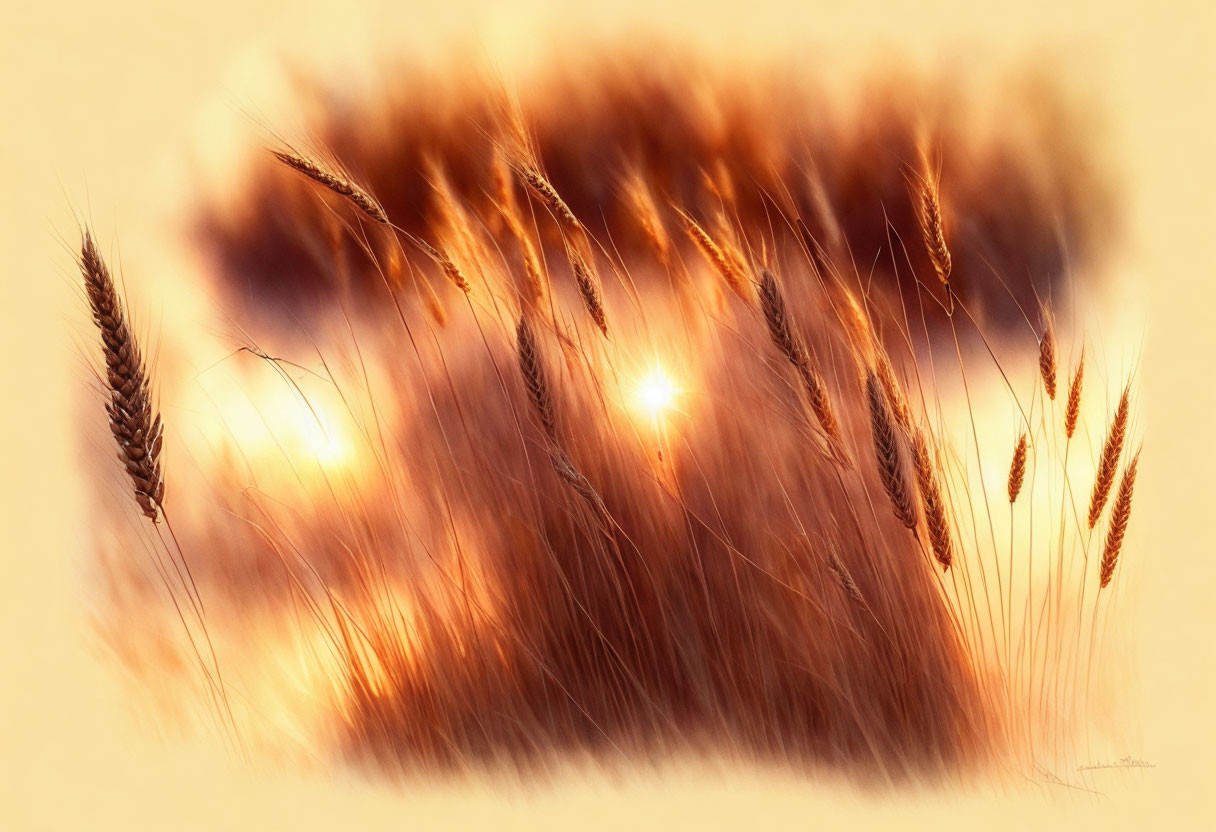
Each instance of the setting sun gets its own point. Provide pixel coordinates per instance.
(656, 392)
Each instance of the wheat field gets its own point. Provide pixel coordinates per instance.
(628, 413)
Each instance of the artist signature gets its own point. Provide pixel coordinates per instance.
(1122, 762)
(1126, 762)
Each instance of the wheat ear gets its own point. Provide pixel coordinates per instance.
(543, 188)
(1104, 479)
(133, 418)
(1073, 410)
(446, 264)
(846, 581)
(335, 182)
(888, 453)
(714, 254)
(533, 373)
(933, 230)
(588, 290)
(1119, 517)
(931, 502)
(1017, 469)
(1047, 361)
(790, 345)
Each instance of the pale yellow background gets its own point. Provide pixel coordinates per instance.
(100, 100)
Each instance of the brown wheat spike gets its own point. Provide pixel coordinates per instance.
(846, 581)
(730, 249)
(580, 484)
(1017, 469)
(1074, 399)
(543, 188)
(527, 253)
(647, 213)
(1119, 516)
(504, 188)
(534, 377)
(445, 263)
(1047, 361)
(335, 182)
(588, 289)
(790, 345)
(1109, 461)
(714, 254)
(933, 231)
(451, 211)
(134, 421)
(895, 396)
(931, 502)
(888, 453)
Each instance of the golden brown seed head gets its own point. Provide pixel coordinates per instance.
(533, 373)
(718, 258)
(888, 453)
(933, 230)
(588, 290)
(647, 214)
(1017, 469)
(536, 182)
(335, 182)
(1047, 362)
(846, 580)
(445, 263)
(1109, 461)
(772, 302)
(895, 396)
(1073, 410)
(931, 502)
(134, 422)
(1120, 515)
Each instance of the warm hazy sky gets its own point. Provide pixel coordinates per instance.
(99, 102)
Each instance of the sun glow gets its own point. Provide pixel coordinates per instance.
(656, 392)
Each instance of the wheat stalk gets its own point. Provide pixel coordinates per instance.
(714, 254)
(1119, 517)
(580, 485)
(533, 373)
(846, 581)
(588, 289)
(134, 422)
(335, 182)
(1073, 410)
(934, 234)
(1047, 361)
(888, 453)
(543, 188)
(446, 264)
(1017, 469)
(647, 213)
(777, 317)
(895, 396)
(931, 502)
(527, 251)
(1108, 463)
